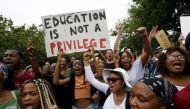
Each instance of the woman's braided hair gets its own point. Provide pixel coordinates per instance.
(47, 98)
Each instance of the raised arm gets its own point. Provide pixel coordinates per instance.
(56, 80)
(95, 61)
(153, 33)
(103, 87)
(34, 62)
(146, 45)
(118, 36)
(102, 56)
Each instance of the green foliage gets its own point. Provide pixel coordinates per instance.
(18, 37)
(149, 13)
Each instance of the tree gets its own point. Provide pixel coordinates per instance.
(18, 37)
(148, 13)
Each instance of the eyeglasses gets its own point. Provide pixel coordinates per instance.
(113, 80)
(172, 57)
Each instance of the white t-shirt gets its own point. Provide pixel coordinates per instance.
(110, 104)
(136, 72)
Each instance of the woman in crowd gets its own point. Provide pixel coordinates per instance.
(116, 81)
(109, 62)
(37, 94)
(135, 69)
(8, 99)
(97, 97)
(79, 88)
(152, 93)
(173, 66)
(65, 71)
(29, 70)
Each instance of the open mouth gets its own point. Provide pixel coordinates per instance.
(77, 70)
(28, 106)
(111, 87)
(126, 63)
(62, 64)
(8, 63)
(177, 65)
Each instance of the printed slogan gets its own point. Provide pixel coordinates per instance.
(75, 32)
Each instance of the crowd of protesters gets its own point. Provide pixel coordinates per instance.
(156, 79)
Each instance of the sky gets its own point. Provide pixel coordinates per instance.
(30, 11)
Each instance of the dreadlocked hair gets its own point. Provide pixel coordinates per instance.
(47, 98)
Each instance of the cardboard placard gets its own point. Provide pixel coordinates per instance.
(163, 40)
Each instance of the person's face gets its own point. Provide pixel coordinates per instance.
(30, 71)
(63, 62)
(30, 98)
(109, 54)
(142, 97)
(175, 62)
(78, 67)
(47, 64)
(11, 58)
(158, 53)
(52, 67)
(101, 67)
(73, 59)
(126, 60)
(115, 82)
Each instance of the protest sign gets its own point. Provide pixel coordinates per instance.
(163, 40)
(185, 25)
(74, 32)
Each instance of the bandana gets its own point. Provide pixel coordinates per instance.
(162, 88)
(4, 71)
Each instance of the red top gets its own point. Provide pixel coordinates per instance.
(182, 98)
(20, 79)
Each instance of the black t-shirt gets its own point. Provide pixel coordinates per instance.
(60, 92)
(109, 65)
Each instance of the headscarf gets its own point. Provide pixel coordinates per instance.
(4, 71)
(162, 88)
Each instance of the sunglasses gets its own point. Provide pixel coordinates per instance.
(113, 80)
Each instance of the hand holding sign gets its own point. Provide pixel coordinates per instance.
(153, 32)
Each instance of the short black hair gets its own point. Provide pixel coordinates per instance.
(129, 48)
(18, 52)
